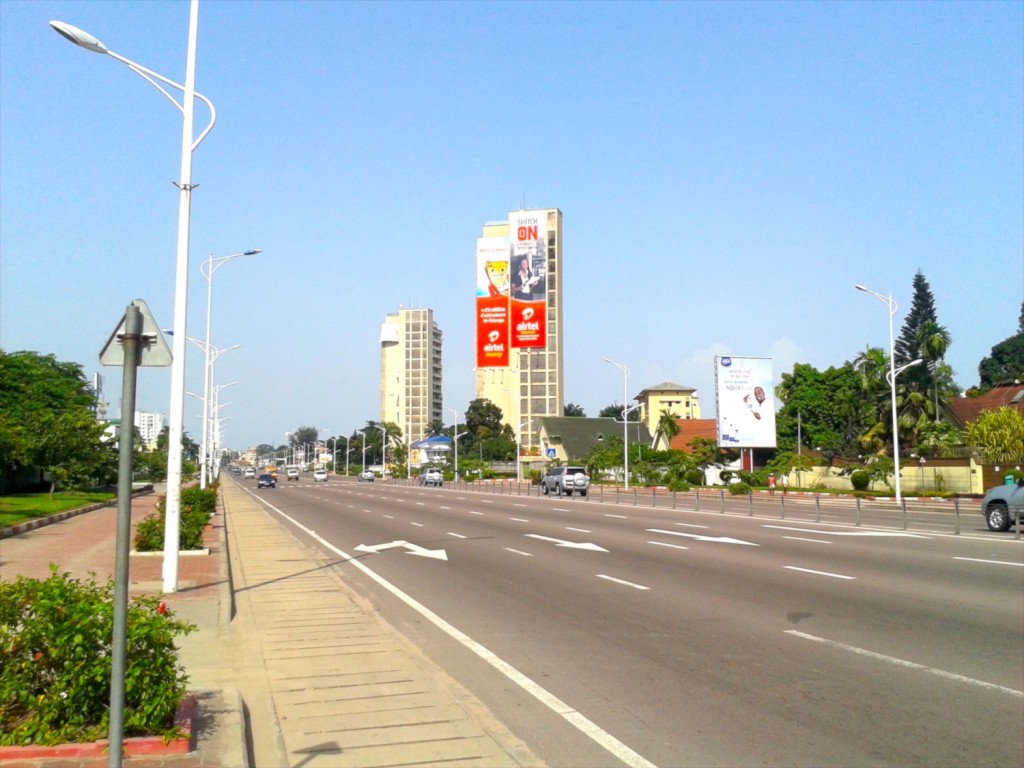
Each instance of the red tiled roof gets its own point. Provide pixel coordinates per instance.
(967, 409)
(691, 428)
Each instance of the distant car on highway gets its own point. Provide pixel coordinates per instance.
(567, 480)
(293, 474)
(320, 476)
(266, 481)
(250, 472)
(1003, 505)
(366, 474)
(431, 477)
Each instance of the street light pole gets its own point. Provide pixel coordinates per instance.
(455, 439)
(361, 432)
(625, 418)
(207, 268)
(383, 447)
(176, 409)
(519, 451)
(211, 355)
(891, 376)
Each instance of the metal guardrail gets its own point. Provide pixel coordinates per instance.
(953, 516)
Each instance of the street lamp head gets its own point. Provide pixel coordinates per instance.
(79, 37)
(860, 287)
(253, 252)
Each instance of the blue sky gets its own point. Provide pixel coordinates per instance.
(726, 172)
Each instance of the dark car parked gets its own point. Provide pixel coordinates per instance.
(266, 481)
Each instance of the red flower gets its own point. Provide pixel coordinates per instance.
(162, 608)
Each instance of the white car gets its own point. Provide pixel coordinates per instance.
(366, 474)
(293, 474)
(320, 476)
(250, 472)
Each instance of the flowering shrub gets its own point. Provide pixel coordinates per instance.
(197, 506)
(55, 662)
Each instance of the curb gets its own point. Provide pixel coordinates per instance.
(39, 522)
(134, 746)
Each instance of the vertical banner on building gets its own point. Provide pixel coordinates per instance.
(492, 297)
(528, 247)
(744, 402)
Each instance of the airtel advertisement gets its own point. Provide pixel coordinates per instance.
(528, 237)
(492, 297)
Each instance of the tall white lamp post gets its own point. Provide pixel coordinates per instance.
(519, 451)
(455, 439)
(176, 409)
(208, 267)
(625, 418)
(363, 433)
(383, 447)
(210, 354)
(891, 376)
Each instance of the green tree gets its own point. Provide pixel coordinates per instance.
(47, 420)
(614, 411)
(668, 425)
(571, 409)
(1006, 360)
(998, 435)
(828, 407)
(922, 310)
(933, 340)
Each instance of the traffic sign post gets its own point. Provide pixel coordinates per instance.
(129, 346)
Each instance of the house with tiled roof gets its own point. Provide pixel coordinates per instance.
(964, 410)
(570, 438)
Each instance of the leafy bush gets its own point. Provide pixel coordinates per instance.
(860, 479)
(694, 477)
(197, 506)
(739, 489)
(55, 662)
(679, 486)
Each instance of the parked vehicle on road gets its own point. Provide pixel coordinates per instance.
(366, 474)
(320, 476)
(1003, 505)
(565, 480)
(266, 481)
(431, 477)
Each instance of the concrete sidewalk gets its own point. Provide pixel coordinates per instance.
(289, 666)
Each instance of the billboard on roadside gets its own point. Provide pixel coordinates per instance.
(492, 297)
(744, 402)
(528, 241)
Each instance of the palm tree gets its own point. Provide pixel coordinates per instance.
(933, 340)
(668, 425)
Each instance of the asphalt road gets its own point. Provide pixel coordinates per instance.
(619, 635)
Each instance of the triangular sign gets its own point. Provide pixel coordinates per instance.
(155, 352)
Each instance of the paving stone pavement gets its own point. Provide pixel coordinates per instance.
(290, 666)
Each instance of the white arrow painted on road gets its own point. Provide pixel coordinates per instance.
(414, 549)
(570, 544)
(698, 537)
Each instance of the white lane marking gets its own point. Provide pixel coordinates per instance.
(518, 505)
(692, 525)
(820, 573)
(390, 517)
(910, 664)
(418, 525)
(474, 512)
(601, 737)
(570, 544)
(813, 541)
(518, 520)
(993, 562)
(421, 503)
(518, 551)
(456, 535)
(663, 544)
(414, 549)
(885, 534)
(486, 501)
(698, 537)
(620, 581)
(559, 509)
(444, 507)
(578, 530)
(620, 517)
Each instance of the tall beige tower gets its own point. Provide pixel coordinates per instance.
(519, 320)
(410, 371)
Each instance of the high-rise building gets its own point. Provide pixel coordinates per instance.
(410, 372)
(519, 320)
(150, 425)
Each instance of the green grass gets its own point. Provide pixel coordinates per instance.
(27, 506)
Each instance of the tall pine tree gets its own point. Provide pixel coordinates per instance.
(922, 309)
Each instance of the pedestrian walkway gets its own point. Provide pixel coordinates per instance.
(289, 666)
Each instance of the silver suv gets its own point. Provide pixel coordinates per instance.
(1003, 505)
(431, 476)
(565, 480)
